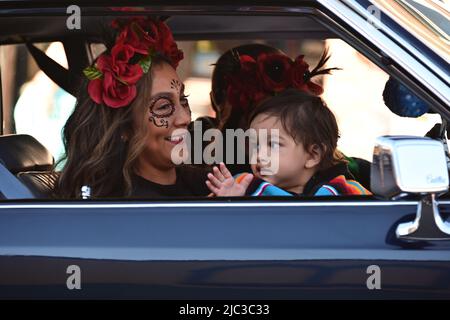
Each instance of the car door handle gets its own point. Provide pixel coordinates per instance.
(428, 224)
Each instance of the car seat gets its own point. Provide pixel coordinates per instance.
(30, 161)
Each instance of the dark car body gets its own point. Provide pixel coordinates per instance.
(274, 248)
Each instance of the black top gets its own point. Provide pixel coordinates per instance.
(190, 182)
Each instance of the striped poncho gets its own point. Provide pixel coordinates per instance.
(334, 181)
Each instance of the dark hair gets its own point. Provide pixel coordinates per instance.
(308, 120)
(219, 81)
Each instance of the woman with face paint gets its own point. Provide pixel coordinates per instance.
(131, 112)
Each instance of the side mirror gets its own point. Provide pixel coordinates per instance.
(405, 165)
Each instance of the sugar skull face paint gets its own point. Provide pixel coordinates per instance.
(162, 107)
(176, 85)
(166, 111)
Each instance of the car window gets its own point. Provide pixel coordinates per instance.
(354, 94)
(40, 108)
(361, 113)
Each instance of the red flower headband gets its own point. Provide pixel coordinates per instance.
(254, 80)
(113, 78)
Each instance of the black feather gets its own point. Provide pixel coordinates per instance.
(317, 69)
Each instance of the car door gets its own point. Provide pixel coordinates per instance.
(240, 249)
(270, 248)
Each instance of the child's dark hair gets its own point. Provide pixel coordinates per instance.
(308, 120)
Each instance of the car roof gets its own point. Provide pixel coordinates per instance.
(34, 22)
(185, 27)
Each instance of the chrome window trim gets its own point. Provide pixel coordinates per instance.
(361, 45)
(212, 205)
(151, 254)
(172, 9)
(249, 204)
(361, 10)
(392, 49)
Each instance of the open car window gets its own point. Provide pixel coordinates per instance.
(34, 105)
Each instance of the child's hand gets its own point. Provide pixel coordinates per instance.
(222, 183)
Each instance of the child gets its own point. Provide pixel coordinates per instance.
(308, 162)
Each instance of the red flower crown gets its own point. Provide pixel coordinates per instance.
(255, 79)
(114, 76)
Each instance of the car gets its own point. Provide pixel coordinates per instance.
(393, 244)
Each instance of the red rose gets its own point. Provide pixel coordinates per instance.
(95, 90)
(135, 36)
(249, 73)
(274, 71)
(117, 87)
(113, 79)
(244, 90)
(123, 72)
(248, 65)
(175, 55)
(122, 53)
(240, 94)
(115, 93)
(165, 37)
(166, 45)
(111, 92)
(258, 96)
(150, 35)
(314, 88)
(143, 34)
(298, 71)
(120, 56)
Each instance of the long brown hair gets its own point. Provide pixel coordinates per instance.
(102, 144)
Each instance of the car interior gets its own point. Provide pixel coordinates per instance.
(34, 164)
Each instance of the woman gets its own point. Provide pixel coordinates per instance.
(119, 139)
